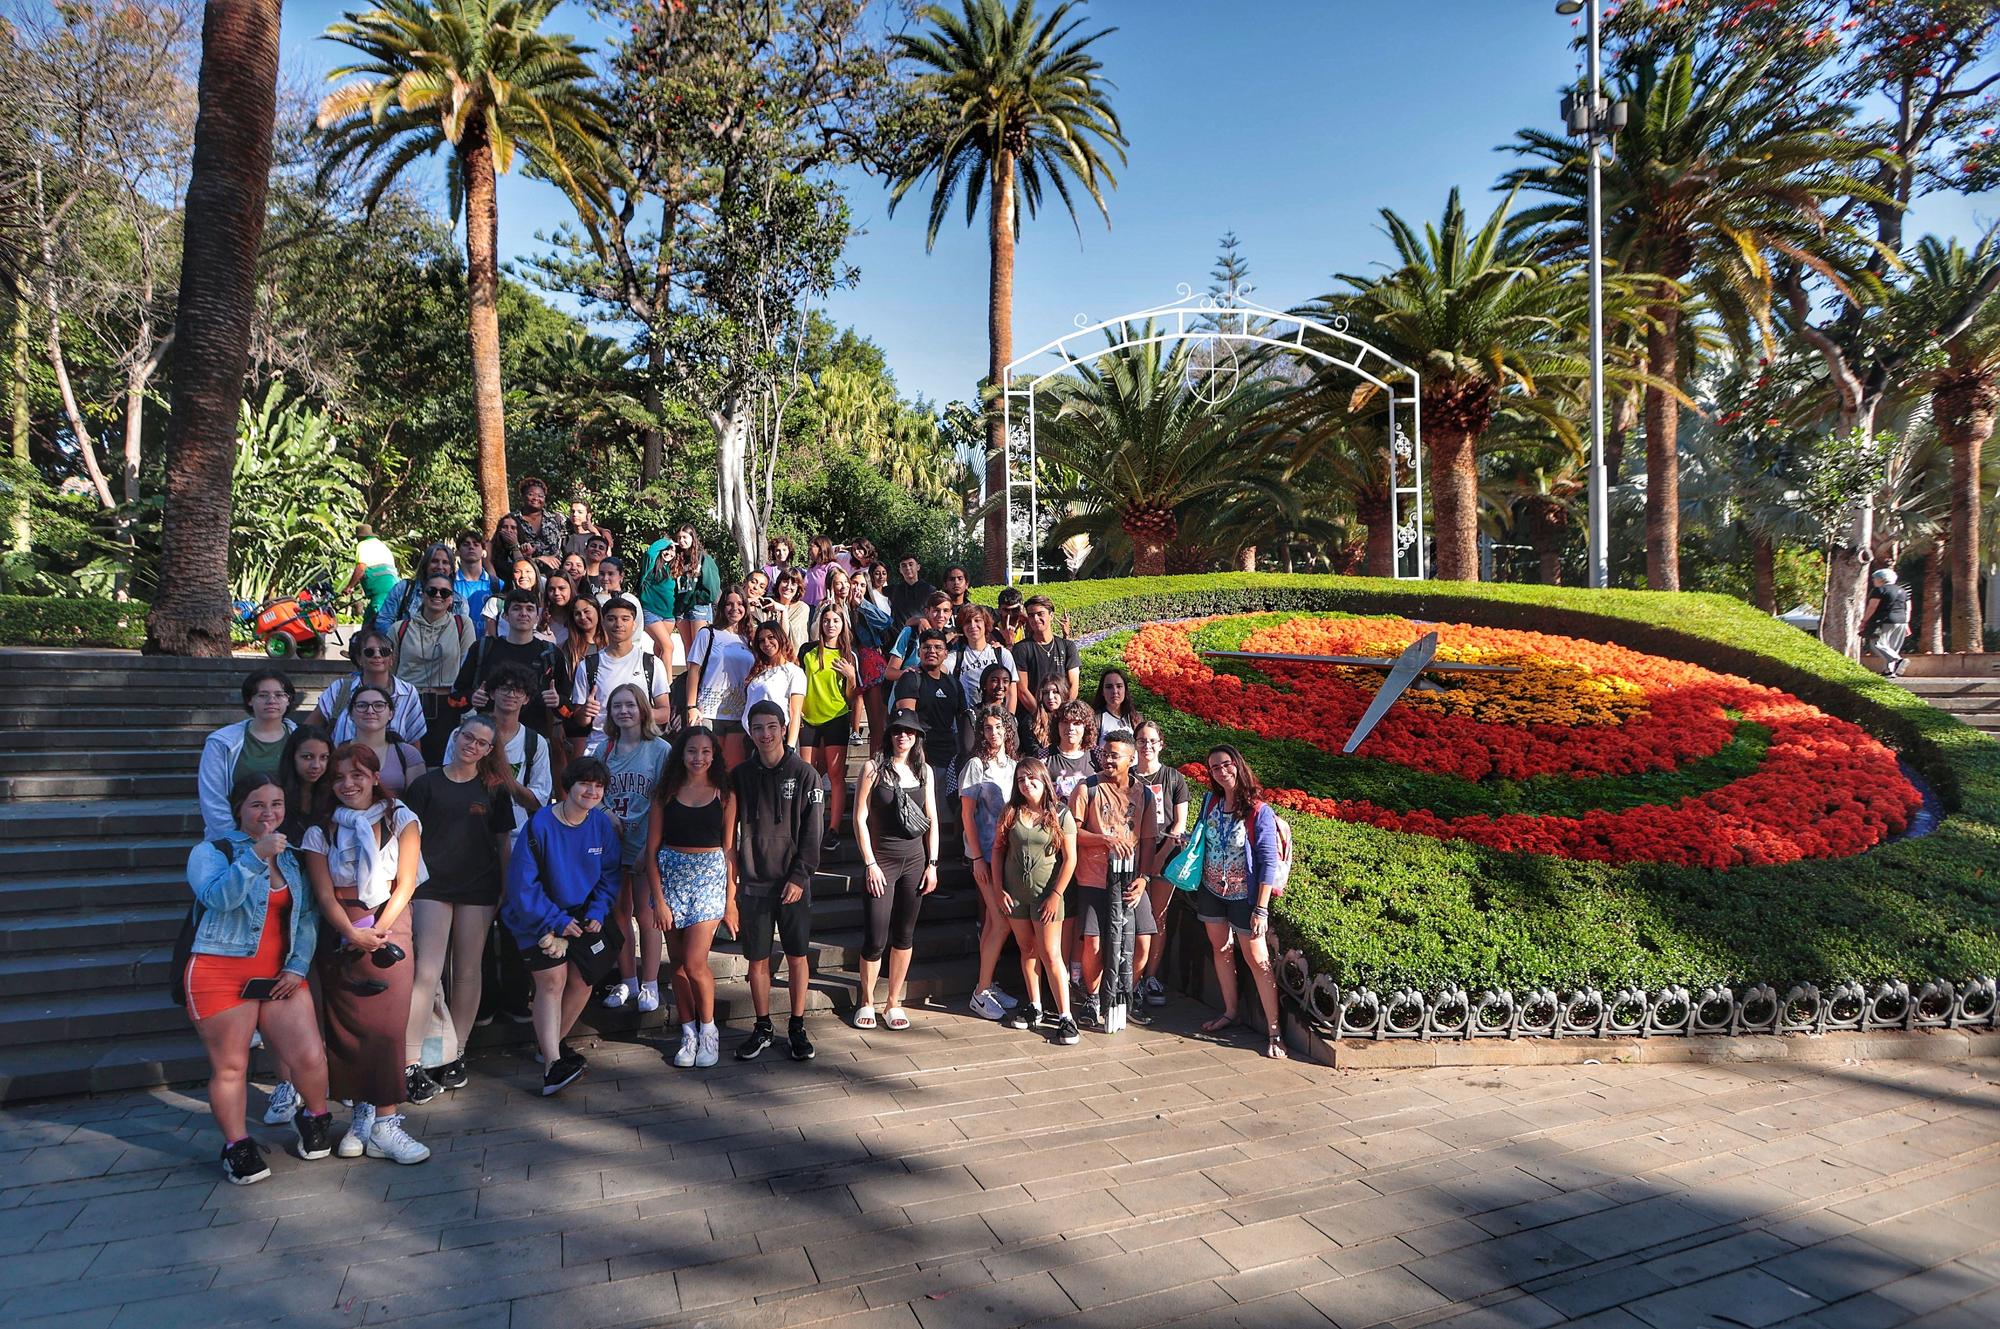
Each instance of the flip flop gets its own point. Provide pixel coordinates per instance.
(896, 1019)
(1218, 1024)
(864, 1017)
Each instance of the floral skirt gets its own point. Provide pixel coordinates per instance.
(873, 664)
(696, 886)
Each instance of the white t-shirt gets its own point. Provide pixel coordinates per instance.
(972, 665)
(722, 694)
(779, 685)
(343, 866)
(372, 553)
(613, 672)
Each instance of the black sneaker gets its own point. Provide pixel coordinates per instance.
(418, 1086)
(1066, 1032)
(1025, 1016)
(517, 1015)
(561, 1074)
(243, 1163)
(451, 1076)
(802, 1046)
(1087, 1013)
(315, 1134)
(762, 1035)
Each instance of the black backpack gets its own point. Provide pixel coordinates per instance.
(590, 666)
(184, 943)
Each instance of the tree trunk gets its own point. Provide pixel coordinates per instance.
(19, 422)
(1930, 635)
(1763, 574)
(1848, 562)
(999, 353)
(1624, 414)
(482, 290)
(224, 231)
(654, 442)
(1453, 479)
(1663, 467)
(1373, 512)
(733, 502)
(1964, 413)
(1246, 559)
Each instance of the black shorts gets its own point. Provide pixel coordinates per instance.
(1097, 912)
(832, 734)
(726, 728)
(1212, 908)
(760, 914)
(535, 959)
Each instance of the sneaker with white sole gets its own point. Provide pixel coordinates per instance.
(709, 1050)
(986, 1006)
(355, 1142)
(561, 1074)
(619, 994)
(1004, 997)
(284, 1104)
(690, 1044)
(243, 1163)
(389, 1140)
(649, 997)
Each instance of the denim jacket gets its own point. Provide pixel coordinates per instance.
(234, 894)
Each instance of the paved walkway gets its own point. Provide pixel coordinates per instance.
(963, 1175)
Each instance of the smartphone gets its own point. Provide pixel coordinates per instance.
(260, 989)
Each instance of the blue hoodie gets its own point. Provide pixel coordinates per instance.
(560, 873)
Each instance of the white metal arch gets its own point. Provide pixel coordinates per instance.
(1200, 318)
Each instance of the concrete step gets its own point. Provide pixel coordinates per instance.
(68, 740)
(202, 717)
(75, 931)
(128, 760)
(84, 820)
(75, 785)
(25, 857)
(88, 891)
(140, 966)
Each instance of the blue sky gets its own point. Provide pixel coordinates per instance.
(1291, 122)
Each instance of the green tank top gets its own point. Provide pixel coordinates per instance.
(826, 695)
(1032, 854)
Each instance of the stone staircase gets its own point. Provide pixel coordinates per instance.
(1975, 700)
(97, 815)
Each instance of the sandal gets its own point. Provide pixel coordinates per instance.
(1276, 1050)
(1218, 1024)
(896, 1019)
(864, 1017)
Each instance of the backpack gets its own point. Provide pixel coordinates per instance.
(184, 942)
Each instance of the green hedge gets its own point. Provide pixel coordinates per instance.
(1385, 908)
(38, 620)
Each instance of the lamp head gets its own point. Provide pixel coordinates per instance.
(1569, 7)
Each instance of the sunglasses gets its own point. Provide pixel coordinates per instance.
(376, 652)
(437, 592)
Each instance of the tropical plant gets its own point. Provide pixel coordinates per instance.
(1721, 165)
(1485, 319)
(1961, 375)
(223, 230)
(583, 385)
(1139, 446)
(1017, 103)
(482, 78)
(294, 499)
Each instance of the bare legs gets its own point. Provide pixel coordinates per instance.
(798, 974)
(640, 965)
(1041, 952)
(560, 994)
(831, 762)
(694, 984)
(292, 1030)
(1222, 943)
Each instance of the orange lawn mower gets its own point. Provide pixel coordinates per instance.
(294, 625)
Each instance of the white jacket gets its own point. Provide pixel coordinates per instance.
(217, 773)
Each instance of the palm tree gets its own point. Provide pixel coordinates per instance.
(1481, 316)
(584, 385)
(1719, 166)
(1140, 446)
(481, 77)
(224, 235)
(1962, 376)
(1018, 102)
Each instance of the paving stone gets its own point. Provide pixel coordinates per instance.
(1749, 1297)
(1497, 1263)
(1365, 1299)
(1269, 1243)
(1139, 1272)
(1017, 1301)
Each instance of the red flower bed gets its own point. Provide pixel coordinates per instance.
(1825, 788)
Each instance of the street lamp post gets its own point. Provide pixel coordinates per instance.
(1597, 122)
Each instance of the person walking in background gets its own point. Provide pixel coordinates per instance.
(562, 878)
(544, 534)
(375, 652)
(244, 747)
(255, 932)
(374, 570)
(831, 675)
(365, 862)
(466, 822)
(697, 585)
(1034, 857)
(635, 755)
(780, 812)
(896, 830)
(430, 648)
(689, 869)
(1885, 624)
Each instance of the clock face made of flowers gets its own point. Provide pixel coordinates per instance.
(1590, 751)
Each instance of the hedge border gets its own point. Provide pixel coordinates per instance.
(47, 620)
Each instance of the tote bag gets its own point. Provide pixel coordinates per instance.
(1184, 868)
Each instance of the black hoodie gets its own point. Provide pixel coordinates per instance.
(780, 818)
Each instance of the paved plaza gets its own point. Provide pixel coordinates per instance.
(965, 1175)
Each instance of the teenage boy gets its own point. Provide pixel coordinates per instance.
(956, 585)
(909, 593)
(562, 878)
(518, 645)
(469, 580)
(581, 527)
(1115, 850)
(623, 661)
(937, 614)
(596, 548)
(774, 844)
(1042, 655)
(933, 692)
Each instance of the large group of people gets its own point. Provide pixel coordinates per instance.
(542, 785)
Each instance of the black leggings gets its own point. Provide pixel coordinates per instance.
(892, 915)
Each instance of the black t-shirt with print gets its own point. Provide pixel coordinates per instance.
(938, 700)
(459, 823)
(1040, 662)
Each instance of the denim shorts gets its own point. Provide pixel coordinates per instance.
(699, 613)
(651, 618)
(1212, 908)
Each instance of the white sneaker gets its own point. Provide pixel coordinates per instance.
(649, 997)
(284, 1104)
(1153, 992)
(690, 1043)
(709, 1050)
(986, 1006)
(355, 1142)
(389, 1140)
(618, 996)
(1005, 998)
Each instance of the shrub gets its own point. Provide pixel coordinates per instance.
(1385, 908)
(36, 620)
